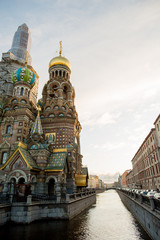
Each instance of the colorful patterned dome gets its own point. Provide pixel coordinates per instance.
(23, 74)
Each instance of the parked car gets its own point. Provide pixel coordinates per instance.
(144, 192)
(151, 194)
(157, 196)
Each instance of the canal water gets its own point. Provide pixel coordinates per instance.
(108, 219)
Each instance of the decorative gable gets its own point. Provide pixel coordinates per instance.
(18, 164)
(20, 158)
(5, 145)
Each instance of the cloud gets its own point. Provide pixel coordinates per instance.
(109, 178)
(110, 146)
(91, 119)
(114, 50)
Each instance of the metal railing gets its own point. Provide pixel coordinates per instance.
(150, 202)
(64, 197)
(37, 197)
(4, 199)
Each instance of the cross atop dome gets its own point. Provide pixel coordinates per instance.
(60, 51)
(60, 60)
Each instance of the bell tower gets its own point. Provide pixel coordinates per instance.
(59, 116)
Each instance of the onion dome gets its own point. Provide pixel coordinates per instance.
(23, 75)
(60, 60)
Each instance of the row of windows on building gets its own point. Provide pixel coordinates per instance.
(8, 128)
(59, 74)
(21, 91)
(57, 108)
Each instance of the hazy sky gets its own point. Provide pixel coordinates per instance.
(114, 50)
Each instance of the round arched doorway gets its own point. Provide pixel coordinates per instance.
(51, 187)
(21, 180)
(21, 188)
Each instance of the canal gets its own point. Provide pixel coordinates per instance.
(108, 219)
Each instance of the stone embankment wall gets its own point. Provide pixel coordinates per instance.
(145, 210)
(100, 190)
(5, 213)
(31, 211)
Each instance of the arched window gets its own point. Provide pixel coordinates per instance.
(22, 90)
(14, 100)
(8, 129)
(23, 101)
(21, 180)
(53, 74)
(56, 73)
(34, 147)
(51, 187)
(51, 115)
(26, 92)
(60, 73)
(64, 74)
(48, 108)
(65, 92)
(4, 157)
(56, 107)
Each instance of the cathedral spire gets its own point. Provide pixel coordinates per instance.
(37, 126)
(22, 43)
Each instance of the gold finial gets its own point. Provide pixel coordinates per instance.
(26, 62)
(39, 109)
(60, 51)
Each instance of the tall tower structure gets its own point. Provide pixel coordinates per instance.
(14, 59)
(45, 149)
(59, 117)
(22, 43)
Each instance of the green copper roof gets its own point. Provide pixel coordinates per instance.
(57, 161)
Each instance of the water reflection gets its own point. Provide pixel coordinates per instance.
(107, 220)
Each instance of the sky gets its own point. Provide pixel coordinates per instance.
(114, 50)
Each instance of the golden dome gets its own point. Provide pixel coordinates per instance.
(60, 60)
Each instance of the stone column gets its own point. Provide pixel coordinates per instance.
(60, 93)
(5, 189)
(64, 188)
(69, 96)
(152, 203)
(58, 190)
(40, 188)
(41, 183)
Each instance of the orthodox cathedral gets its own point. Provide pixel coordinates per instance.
(39, 141)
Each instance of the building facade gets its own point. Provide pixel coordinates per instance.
(124, 179)
(146, 162)
(39, 146)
